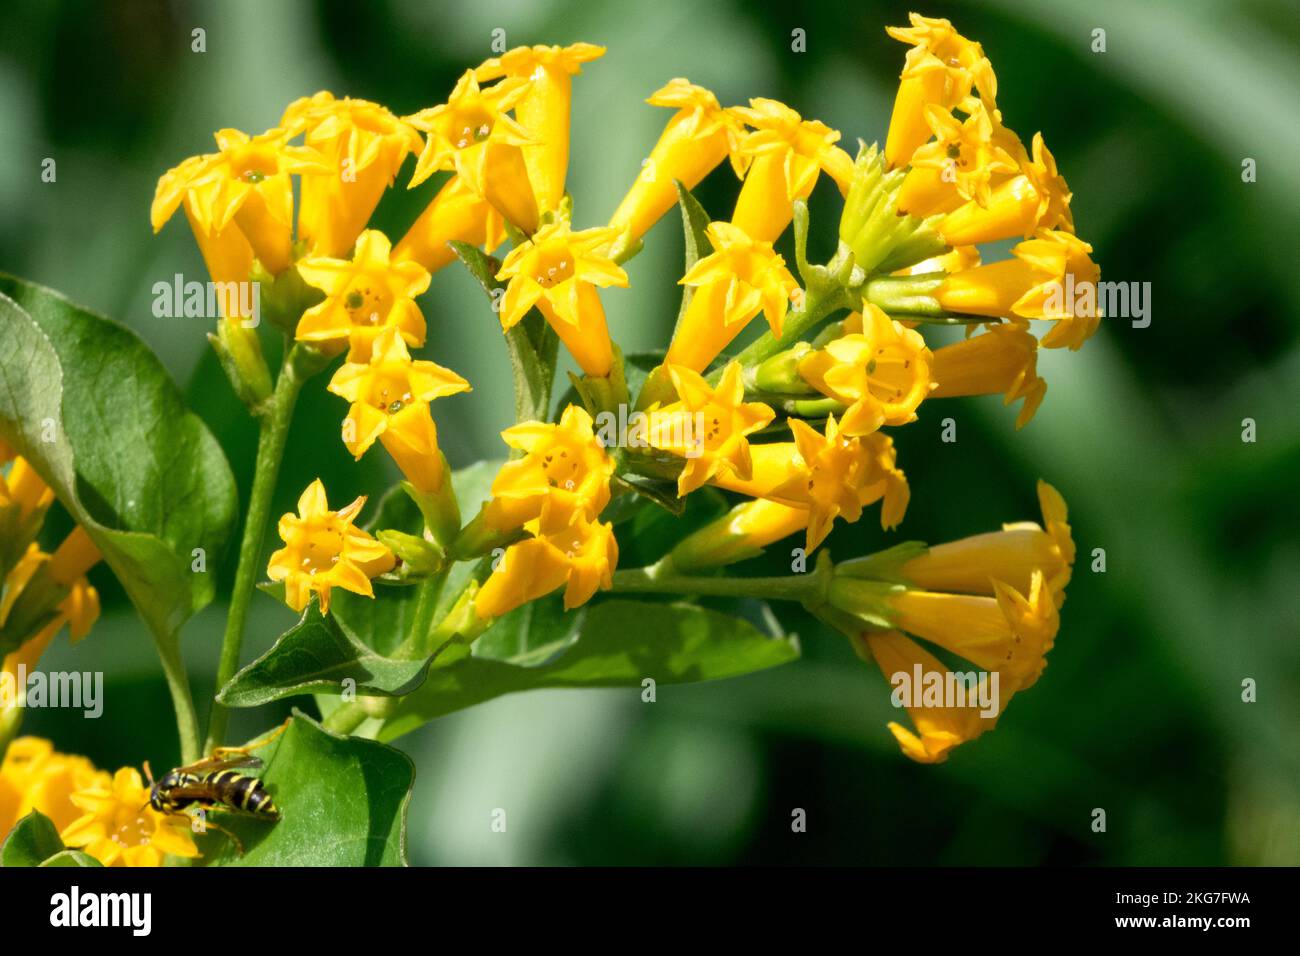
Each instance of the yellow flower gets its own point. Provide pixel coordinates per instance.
(1012, 555)
(941, 70)
(1037, 198)
(323, 550)
(23, 490)
(472, 134)
(961, 163)
(955, 260)
(707, 426)
(788, 154)
(363, 296)
(1003, 359)
(700, 135)
(390, 398)
(544, 112)
(34, 776)
(580, 557)
(456, 213)
(558, 271)
(1051, 276)
(740, 278)
(881, 374)
(119, 828)
(245, 183)
(830, 476)
(939, 728)
(364, 146)
(564, 472)
(740, 534)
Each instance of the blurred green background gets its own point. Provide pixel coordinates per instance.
(1140, 712)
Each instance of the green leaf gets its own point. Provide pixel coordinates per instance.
(532, 635)
(532, 344)
(95, 412)
(72, 858)
(694, 223)
(620, 643)
(342, 801)
(33, 840)
(316, 654)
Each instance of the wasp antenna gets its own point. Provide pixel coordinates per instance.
(148, 773)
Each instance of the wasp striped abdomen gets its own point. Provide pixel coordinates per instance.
(242, 793)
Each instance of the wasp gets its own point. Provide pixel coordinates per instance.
(214, 784)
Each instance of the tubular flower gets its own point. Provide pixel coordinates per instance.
(740, 278)
(457, 213)
(119, 828)
(1037, 198)
(363, 296)
(939, 727)
(580, 557)
(34, 776)
(472, 135)
(959, 165)
(246, 183)
(544, 112)
(829, 475)
(955, 260)
(558, 271)
(740, 534)
(700, 135)
(707, 427)
(881, 374)
(1003, 359)
(322, 550)
(24, 498)
(788, 154)
(1051, 276)
(364, 146)
(941, 70)
(564, 473)
(390, 398)
(1013, 555)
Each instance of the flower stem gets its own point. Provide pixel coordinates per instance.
(817, 304)
(187, 721)
(270, 450)
(661, 578)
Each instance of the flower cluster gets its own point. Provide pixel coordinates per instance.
(794, 424)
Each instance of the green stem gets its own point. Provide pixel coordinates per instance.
(270, 450)
(187, 720)
(346, 718)
(817, 305)
(661, 578)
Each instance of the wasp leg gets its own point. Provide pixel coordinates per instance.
(224, 752)
(209, 825)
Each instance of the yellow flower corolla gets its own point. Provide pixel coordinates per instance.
(1001, 360)
(724, 417)
(363, 296)
(565, 472)
(939, 728)
(364, 146)
(1009, 632)
(742, 533)
(247, 183)
(119, 828)
(323, 550)
(24, 490)
(882, 374)
(1051, 276)
(954, 260)
(456, 213)
(740, 278)
(699, 136)
(1037, 198)
(787, 154)
(960, 164)
(580, 557)
(544, 111)
(558, 271)
(34, 776)
(941, 69)
(472, 134)
(1012, 555)
(390, 398)
(830, 475)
